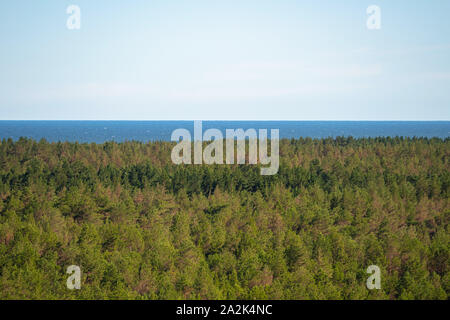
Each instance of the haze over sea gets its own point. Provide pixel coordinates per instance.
(101, 131)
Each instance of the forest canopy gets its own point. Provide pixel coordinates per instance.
(141, 227)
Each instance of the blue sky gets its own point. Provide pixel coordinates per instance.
(210, 59)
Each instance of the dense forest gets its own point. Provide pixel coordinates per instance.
(141, 227)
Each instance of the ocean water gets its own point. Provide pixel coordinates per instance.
(101, 131)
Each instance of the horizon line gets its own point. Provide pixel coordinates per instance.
(241, 120)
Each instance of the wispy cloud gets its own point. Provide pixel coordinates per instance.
(253, 80)
(291, 70)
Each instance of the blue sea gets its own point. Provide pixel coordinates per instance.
(101, 131)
